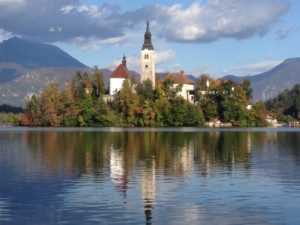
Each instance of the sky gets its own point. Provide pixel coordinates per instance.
(216, 37)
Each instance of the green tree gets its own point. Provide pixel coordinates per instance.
(33, 111)
(98, 84)
(78, 85)
(193, 115)
(246, 85)
(126, 102)
(145, 91)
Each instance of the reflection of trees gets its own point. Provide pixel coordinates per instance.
(288, 142)
(74, 152)
(147, 154)
(174, 153)
(223, 149)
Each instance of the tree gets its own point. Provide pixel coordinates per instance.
(78, 86)
(145, 90)
(33, 112)
(193, 115)
(105, 116)
(209, 107)
(52, 107)
(125, 102)
(286, 104)
(162, 111)
(169, 90)
(203, 82)
(98, 84)
(246, 85)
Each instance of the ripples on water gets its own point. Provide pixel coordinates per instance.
(164, 176)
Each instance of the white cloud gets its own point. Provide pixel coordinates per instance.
(4, 35)
(92, 10)
(207, 21)
(219, 19)
(94, 43)
(8, 6)
(255, 68)
(133, 62)
(165, 56)
(55, 29)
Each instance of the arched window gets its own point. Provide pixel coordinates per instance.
(146, 56)
(146, 66)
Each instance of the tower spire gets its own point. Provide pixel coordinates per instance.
(147, 38)
(148, 28)
(124, 61)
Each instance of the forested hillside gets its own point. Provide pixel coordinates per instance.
(287, 103)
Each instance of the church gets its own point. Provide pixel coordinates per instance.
(147, 71)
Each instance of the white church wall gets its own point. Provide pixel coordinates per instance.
(115, 85)
(185, 90)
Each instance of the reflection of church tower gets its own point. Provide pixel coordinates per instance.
(117, 172)
(148, 58)
(186, 158)
(148, 189)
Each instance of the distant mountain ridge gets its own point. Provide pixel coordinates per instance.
(19, 56)
(26, 67)
(271, 83)
(33, 55)
(18, 91)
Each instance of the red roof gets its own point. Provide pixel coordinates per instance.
(120, 72)
(178, 78)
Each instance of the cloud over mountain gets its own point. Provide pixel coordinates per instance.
(255, 68)
(65, 20)
(216, 19)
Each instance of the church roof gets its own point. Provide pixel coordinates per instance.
(178, 78)
(120, 72)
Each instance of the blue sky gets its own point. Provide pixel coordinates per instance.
(210, 36)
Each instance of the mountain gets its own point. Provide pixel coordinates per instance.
(18, 56)
(286, 103)
(269, 84)
(18, 91)
(26, 67)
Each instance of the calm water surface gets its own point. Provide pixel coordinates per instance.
(151, 176)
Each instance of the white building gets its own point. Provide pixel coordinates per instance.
(148, 58)
(117, 77)
(188, 86)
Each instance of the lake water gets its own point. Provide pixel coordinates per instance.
(149, 176)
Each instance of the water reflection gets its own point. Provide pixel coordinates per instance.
(172, 154)
(138, 175)
(4, 210)
(148, 188)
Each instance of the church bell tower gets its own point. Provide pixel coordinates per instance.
(148, 58)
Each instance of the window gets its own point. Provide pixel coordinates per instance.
(146, 56)
(146, 66)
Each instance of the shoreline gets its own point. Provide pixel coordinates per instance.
(151, 129)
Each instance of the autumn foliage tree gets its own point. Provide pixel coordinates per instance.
(81, 103)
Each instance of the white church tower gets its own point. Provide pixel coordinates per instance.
(148, 58)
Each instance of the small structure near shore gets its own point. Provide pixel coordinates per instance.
(218, 123)
(4, 125)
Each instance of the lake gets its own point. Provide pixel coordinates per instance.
(149, 176)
